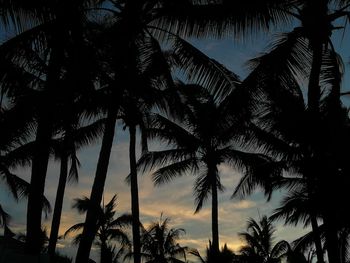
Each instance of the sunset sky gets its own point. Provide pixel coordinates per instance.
(175, 199)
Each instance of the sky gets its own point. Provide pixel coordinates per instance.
(174, 200)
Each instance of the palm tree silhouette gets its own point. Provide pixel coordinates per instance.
(56, 26)
(200, 140)
(74, 138)
(109, 228)
(226, 255)
(289, 134)
(141, 25)
(299, 207)
(159, 243)
(15, 150)
(259, 246)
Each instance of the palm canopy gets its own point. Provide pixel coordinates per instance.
(16, 150)
(226, 255)
(308, 148)
(45, 58)
(109, 229)
(204, 136)
(159, 243)
(259, 242)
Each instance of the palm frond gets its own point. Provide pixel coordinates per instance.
(18, 187)
(82, 204)
(179, 168)
(73, 175)
(307, 240)
(295, 208)
(202, 190)
(86, 135)
(270, 75)
(4, 217)
(124, 220)
(171, 132)
(118, 235)
(154, 159)
(73, 229)
(260, 171)
(280, 249)
(204, 71)
(20, 156)
(222, 18)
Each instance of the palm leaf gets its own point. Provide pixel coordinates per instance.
(179, 168)
(222, 18)
(4, 217)
(204, 71)
(73, 229)
(153, 159)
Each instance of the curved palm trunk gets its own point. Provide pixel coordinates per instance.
(90, 227)
(56, 217)
(37, 186)
(214, 213)
(134, 196)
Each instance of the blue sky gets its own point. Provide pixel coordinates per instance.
(174, 200)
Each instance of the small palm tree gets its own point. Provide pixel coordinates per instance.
(259, 243)
(108, 229)
(225, 255)
(159, 243)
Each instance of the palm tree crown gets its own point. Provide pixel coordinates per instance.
(259, 239)
(109, 228)
(159, 243)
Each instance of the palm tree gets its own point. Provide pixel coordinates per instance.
(226, 255)
(151, 21)
(136, 64)
(299, 207)
(73, 139)
(159, 243)
(200, 140)
(15, 150)
(288, 134)
(55, 29)
(259, 246)
(109, 229)
(308, 51)
(57, 39)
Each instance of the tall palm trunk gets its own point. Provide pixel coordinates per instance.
(106, 256)
(56, 217)
(214, 213)
(314, 225)
(134, 196)
(90, 226)
(314, 94)
(317, 239)
(37, 186)
(314, 90)
(41, 155)
(332, 240)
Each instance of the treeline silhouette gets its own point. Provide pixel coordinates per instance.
(73, 68)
